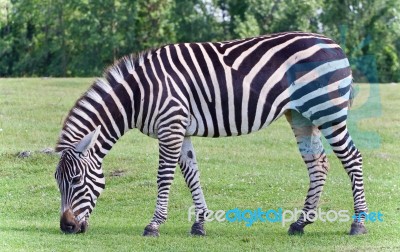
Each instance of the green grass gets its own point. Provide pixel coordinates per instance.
(259, 170)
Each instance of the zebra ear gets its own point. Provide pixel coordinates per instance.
(88, 141)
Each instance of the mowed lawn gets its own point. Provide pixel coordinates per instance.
(261, 170)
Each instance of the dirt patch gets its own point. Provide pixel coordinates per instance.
(24, 154)
(117, 173)
(28, 153)
(48, 151)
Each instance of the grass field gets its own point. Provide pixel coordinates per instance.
(259, 170)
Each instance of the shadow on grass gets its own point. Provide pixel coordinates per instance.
(240, 232)
(32, 229)
(181, 231)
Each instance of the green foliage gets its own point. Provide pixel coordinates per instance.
(155, 29)
(196, 21)
(80, 38)
(291, 15)
(368, 30)
(246, 28)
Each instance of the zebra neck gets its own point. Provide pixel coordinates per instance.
(105, 105)
(115, 111)
(116, 102)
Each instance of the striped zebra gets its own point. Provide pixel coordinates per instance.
(218, 89)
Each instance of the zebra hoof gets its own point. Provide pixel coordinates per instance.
(198, 229)
(357, 228)
(296, 229)
(151, 231)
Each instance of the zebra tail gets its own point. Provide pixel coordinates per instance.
(352, 93)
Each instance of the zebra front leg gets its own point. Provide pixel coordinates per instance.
(170, 143)
(188, 164)
(342, 144)
(312, 151)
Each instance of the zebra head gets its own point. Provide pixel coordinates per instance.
(80, 180)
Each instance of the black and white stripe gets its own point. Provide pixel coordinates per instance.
(215, 90)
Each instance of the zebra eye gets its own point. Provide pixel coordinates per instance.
(76, 179)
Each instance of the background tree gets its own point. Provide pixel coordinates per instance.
(368, 31)
(82, 37)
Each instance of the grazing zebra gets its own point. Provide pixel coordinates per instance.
(211, 90)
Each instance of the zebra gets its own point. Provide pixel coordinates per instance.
(211, 89)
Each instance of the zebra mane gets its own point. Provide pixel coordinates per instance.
(129, 62)
(112, 76)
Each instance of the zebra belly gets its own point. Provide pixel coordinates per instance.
(208, 128)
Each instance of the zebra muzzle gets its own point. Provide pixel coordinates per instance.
(69, 224)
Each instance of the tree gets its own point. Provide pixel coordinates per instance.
(273, 16)
(6, 62)
(197, 21)
(82, 37)
(368, 31)
(152, 22)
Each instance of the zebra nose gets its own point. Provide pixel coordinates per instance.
(68, 224)
(69, 227)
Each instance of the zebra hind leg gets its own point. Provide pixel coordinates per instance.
(170, 143)
(343, 146)
(188, 165)
(312, 151)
